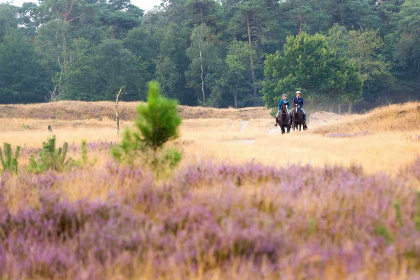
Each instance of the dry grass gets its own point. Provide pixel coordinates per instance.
(78, 110)
(397, 117)
(234, 140)
(385, 151)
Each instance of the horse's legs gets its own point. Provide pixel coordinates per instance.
(282, 129)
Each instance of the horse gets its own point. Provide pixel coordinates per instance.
(297, 118)
(283, 119)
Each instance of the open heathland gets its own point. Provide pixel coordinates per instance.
(245, 203)
(235, 136)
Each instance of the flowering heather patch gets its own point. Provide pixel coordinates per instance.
(212, 222)
(94, 146)
(27, 151)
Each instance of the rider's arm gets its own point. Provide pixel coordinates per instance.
(301, 103)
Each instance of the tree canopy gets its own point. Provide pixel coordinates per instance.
(212, 53)
(311, 66)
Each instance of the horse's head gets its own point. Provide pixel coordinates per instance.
(284, 108)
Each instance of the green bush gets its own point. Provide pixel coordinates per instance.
(50, 158)
(8, 161)
(157, 123)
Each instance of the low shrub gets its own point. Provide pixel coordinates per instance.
(156, 124)
(50, 158)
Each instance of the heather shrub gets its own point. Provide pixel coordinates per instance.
(8, 160)
(156, 124)
(240, 221)
(50, 158)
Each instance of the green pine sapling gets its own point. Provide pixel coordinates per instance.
(50, 158)
(84, 161)
(8, 161)
(157, 123)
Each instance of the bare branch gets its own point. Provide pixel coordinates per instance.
(76, 17)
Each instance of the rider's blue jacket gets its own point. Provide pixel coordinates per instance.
(281, 103)
(298, 101)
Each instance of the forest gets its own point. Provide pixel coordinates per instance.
(225, 53)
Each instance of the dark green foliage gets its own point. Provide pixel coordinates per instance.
(102, 70)
(50, 158)
(88, 50)
(407, 50)
(8, 160)
(22, 78)
(382, 231)
(311, 66)
(156, 124)
(158, 120)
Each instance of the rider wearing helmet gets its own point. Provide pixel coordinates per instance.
(299, 101)
(284, 100)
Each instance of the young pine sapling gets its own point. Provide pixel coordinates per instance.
(157, 123)
(8, 160)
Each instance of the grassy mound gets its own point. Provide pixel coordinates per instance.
(398, 117)
(80, 110)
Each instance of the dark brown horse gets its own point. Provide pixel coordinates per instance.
(297, 118)
(283, 119)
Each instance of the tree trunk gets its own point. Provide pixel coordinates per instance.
(340, 12)
(300, 17)
(117, 115)
(339, 109)
(251, 61)
(202, 71)
(236, 96)
(350, 107)
(331, 109)
(202, 78)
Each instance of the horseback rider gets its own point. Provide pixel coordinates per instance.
(284, 100)
(299, 101)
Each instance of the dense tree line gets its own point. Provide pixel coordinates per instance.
(212, 53)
